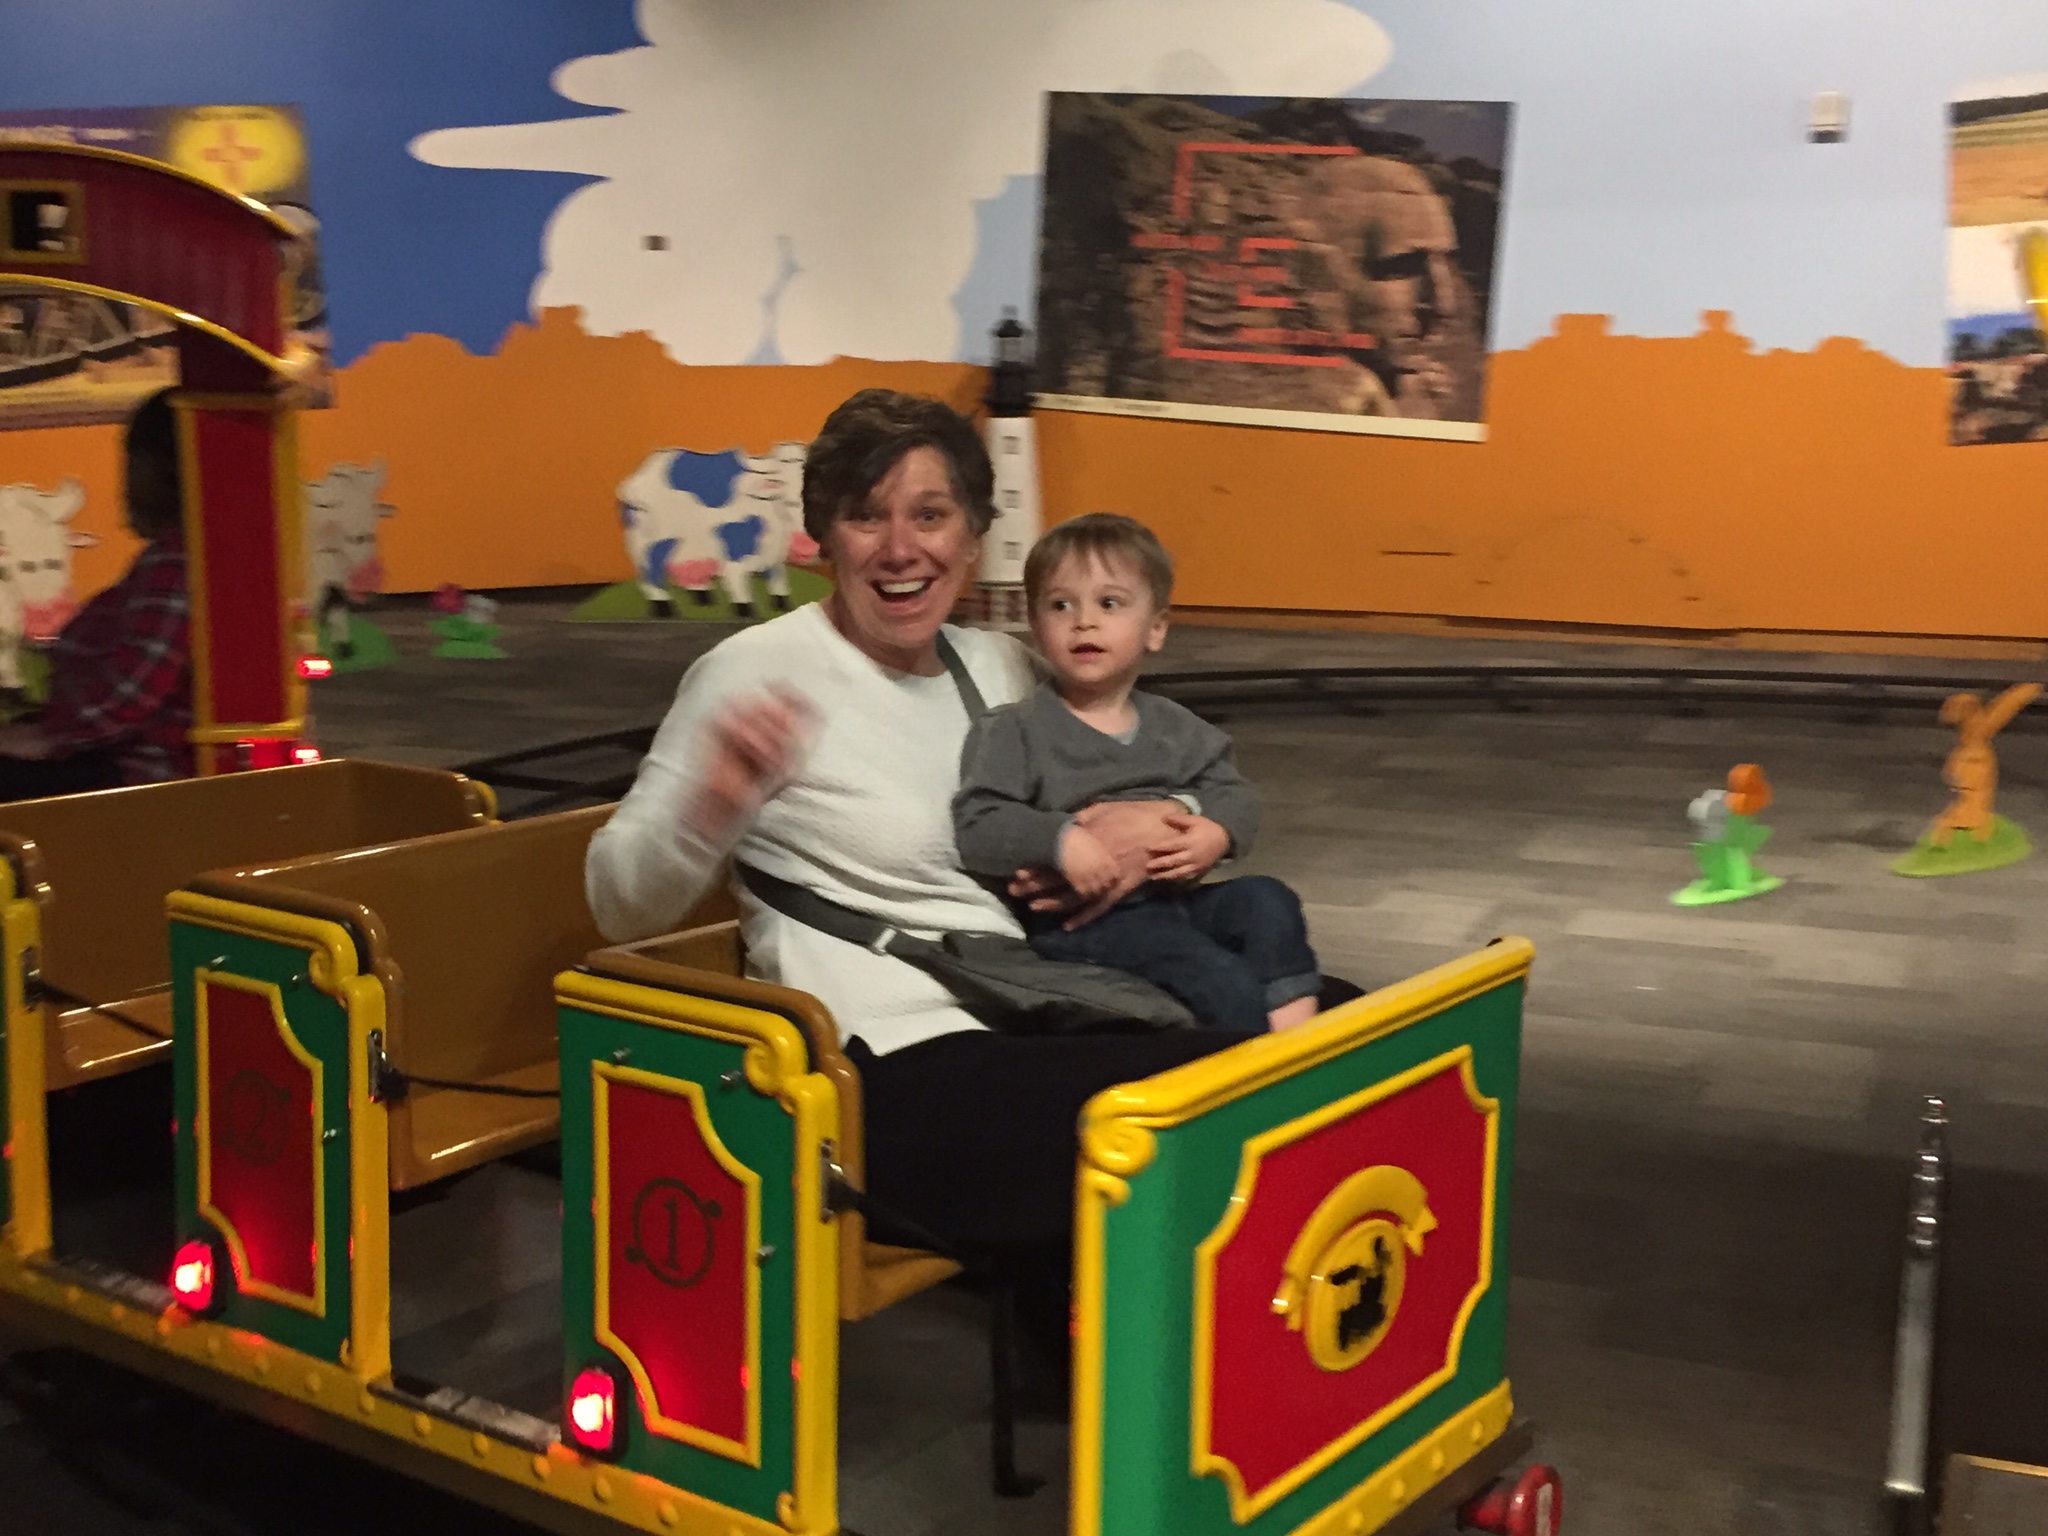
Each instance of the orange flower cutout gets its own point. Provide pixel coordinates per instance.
(1748, 790)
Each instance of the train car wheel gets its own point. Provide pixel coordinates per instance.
(1533, 1505)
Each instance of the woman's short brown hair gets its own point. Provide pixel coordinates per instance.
(1101, 536)
(864, 437)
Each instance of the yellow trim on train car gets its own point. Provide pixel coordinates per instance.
(283, 367)
(222, 735)
(1117, 1144)
(207, 732)
(1203, 1459)
(777, 1063)
(27, 1154)
(288, 515)
(1180, 1093)
(202, 1125)
(178, 173)
(332, 967)
(197, 601)
(748, 1451)
(556, 1488)
(1422, 1466)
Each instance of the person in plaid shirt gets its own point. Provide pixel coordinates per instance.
(120, 703)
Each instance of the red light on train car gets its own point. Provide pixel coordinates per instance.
(315, 666)
(593, 1411)
(192, 1276)
(305, 754)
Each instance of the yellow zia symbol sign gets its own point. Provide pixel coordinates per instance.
(256, 151)
(1342, 1282)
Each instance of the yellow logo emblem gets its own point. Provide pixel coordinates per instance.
(256, 151)
(1341, 1285)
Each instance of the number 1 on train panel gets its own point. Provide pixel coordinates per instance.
(700, 1326)
(1291, 1273)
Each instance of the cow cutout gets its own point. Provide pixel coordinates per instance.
(693, 520)
(343, 565)
(36, 544)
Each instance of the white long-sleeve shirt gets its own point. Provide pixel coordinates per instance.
(866, 820)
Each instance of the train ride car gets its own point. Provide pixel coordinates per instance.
(1291, 1266)
(1291, 1257)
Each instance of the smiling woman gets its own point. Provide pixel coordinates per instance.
(823, 749)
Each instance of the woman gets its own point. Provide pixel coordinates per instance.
(120, 704)
(824, 748)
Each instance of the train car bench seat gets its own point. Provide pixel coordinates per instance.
(95, 869)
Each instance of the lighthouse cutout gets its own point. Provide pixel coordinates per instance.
(1013, 450)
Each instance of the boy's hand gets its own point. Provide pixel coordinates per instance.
(1191, 849)
(1090, 868)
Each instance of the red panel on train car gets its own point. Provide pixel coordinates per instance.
(676, 1290)
(244, 609)
(1344, 1286)
(259, 1143)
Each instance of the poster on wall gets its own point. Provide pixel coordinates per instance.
(1287, 262)
(67, 359)
(1998, 266)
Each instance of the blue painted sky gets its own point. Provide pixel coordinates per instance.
(406, 247)
(1658, 165)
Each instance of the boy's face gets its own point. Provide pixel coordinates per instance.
(1095, 621)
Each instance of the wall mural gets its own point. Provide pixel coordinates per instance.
(1998, 264)
(1306, 263)
(761, 201)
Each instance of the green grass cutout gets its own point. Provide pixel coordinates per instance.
(624, 601)
(1964, 855)
(368, 646)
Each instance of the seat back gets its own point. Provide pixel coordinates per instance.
(469, 928)
(99, 865)
(466, 931)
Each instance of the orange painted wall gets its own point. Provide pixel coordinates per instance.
(1688, 483)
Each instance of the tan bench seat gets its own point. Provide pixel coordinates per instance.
(98, 866)
(81, 1044)
(466, 932)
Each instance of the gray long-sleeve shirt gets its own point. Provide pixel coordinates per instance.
(1026, 769)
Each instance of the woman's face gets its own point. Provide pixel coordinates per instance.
(901, 561)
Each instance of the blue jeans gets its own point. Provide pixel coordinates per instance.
(1233, 952)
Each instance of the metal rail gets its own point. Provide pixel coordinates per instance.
(1907, 1458)
(562, 774)
(550, 777)
(1512, 686)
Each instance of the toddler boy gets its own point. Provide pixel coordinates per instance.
(1236, 952)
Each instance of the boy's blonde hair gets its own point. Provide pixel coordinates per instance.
(1101, 536)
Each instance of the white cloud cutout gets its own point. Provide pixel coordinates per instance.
(863, 131)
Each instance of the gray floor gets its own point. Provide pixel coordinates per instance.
(1717, 1104)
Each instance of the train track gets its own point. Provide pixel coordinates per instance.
(588, 770)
